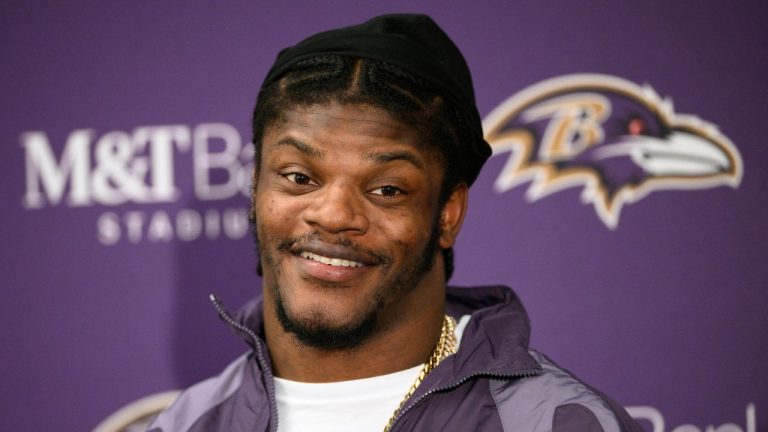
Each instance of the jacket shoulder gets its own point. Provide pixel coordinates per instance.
(201, 398)
(558, 401)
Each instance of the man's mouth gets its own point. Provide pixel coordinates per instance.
(336, 262)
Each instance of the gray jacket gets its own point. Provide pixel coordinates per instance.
(493, 383)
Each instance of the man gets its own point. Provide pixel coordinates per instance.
(367, 139)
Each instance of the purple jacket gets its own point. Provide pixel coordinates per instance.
(493, 383)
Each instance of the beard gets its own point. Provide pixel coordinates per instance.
(312, 329)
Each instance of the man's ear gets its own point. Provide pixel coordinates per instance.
(452, 215)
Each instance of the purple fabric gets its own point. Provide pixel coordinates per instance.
(575, 418)
(492, 383)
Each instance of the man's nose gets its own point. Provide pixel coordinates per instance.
(336, 209)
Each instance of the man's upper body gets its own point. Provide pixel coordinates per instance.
(492, 383)
(366, 140)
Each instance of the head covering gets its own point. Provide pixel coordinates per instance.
(414, 43)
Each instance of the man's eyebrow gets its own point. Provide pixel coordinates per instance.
(299, 145)
(386, 157)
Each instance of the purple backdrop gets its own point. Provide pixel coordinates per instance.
(105, 277)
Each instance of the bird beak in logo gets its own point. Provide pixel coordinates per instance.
(617, 140)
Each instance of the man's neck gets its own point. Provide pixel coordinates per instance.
(406, 340)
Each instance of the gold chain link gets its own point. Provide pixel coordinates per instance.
(445, 346)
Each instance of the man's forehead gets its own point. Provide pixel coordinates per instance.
(355, 115)
(341, 123)
(377, 136)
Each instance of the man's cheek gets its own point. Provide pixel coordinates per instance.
(271, 217)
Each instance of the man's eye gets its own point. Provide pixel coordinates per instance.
(387, 191)
(298, 178)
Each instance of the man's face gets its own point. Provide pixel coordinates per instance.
(347, 216)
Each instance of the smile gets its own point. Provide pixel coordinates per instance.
(336, 262)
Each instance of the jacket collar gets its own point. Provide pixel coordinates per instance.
(494, 343)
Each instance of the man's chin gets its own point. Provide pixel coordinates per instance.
(315, 330)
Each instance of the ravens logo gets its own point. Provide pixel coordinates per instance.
(617, 140)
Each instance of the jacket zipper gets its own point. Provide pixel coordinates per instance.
(259, 354)
(453, 385)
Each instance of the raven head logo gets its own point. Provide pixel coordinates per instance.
(617, 140)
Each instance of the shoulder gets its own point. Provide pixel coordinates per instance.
(201, 398)
(556, 400)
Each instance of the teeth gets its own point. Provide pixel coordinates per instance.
(338, 262)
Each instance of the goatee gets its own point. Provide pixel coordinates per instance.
(312, 329)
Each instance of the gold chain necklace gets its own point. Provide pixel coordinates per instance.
(446, 346)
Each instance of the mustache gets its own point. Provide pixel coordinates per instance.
(290, 244)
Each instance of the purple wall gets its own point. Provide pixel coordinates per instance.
(104, 278)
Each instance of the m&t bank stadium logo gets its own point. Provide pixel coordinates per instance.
(615, 139)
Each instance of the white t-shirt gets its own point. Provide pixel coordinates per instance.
(354, 406)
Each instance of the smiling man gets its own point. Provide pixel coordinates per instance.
(367, 139)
